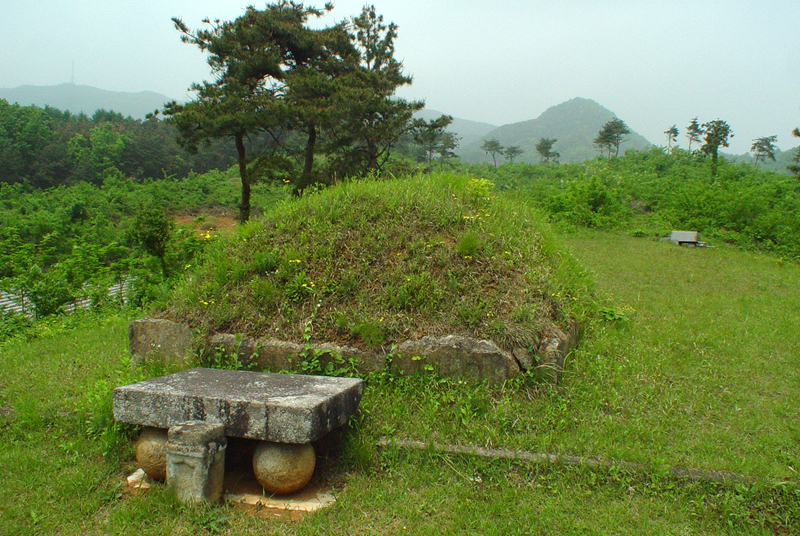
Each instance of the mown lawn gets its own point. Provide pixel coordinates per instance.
(696, 366)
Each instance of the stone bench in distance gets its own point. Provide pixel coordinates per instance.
(285, 409)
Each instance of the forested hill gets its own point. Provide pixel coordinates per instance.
(86, 99)
(574, 124)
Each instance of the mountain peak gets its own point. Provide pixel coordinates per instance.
(574, 123)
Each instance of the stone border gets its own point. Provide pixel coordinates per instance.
(452, 356)
(696, 475)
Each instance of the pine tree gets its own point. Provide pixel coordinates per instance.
(512, 152)
(545, 149)
(717, 133)
(694, 132)
(672, 135)
(612, 135)
(764, 148)
(492, 147)
(251, 58)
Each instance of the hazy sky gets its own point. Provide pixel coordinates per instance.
(654, 63)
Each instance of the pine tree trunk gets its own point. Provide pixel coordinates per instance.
(308, 166)
(244, 207)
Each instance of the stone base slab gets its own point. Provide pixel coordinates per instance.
(243, 491)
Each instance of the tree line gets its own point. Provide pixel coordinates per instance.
(47, 147)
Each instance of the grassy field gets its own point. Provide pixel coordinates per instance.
(696, 365)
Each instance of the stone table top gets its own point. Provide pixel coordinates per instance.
(284, 408)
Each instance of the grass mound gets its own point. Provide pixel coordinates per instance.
(371, 263)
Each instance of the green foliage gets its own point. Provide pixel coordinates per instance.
(46, 147)
(764, 148)
(61, 244)
(99, 155)
(716, 135)
(657, 192)
(611, 136)
(151, 230)
(545, 149)
(492, 147)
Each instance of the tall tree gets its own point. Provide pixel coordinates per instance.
(545, 149)
(372, 117)
(512, 152)
(492, 147)
(251, 59)
(612, 135)
(717, 133)
(794, 167)
(764, 148)
(672, 135)
(694, 133)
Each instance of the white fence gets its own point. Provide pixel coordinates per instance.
(12, 303)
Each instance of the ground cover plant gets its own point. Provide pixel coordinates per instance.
(373, 263)
(694, 365)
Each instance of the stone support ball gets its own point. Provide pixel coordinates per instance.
(283, 468)
(150, 454)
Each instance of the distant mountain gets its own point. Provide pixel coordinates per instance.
(85, 99)
(468, 131)
(574, 124)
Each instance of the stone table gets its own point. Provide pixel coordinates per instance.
(286, 411)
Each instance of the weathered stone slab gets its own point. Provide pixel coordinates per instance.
(554, 349)
(456, 357)
(274, 354)
(284, 408)
(162, 339)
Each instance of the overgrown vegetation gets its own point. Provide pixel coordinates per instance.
(376, 262)
(652, 192)
(61, 244)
